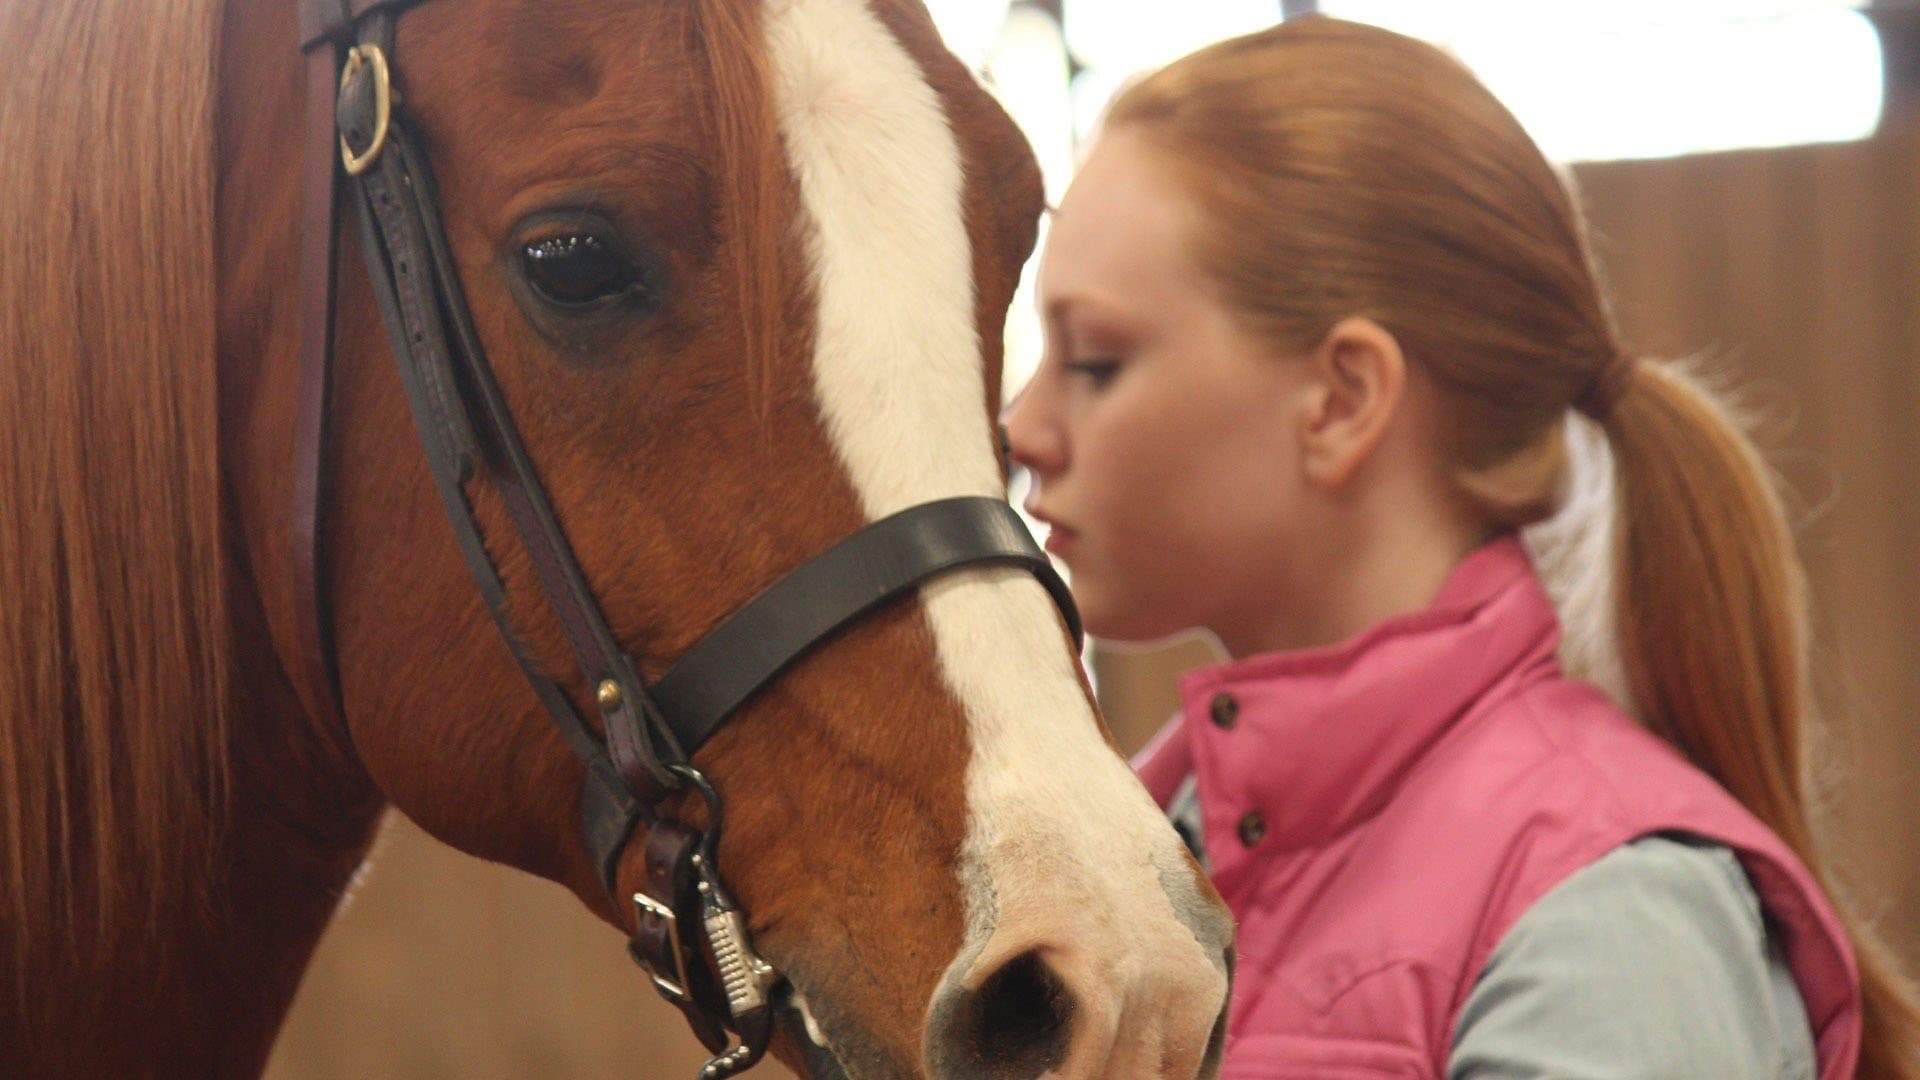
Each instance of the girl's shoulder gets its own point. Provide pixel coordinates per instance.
(1656, 953)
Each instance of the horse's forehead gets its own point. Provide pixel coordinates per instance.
(879, 172)
(631, 71)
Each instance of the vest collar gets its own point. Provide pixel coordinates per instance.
(1293, 748)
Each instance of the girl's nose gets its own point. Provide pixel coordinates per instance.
(1031, 440)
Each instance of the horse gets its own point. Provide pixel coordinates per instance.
(741, 268)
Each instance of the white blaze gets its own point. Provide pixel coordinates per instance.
(1059, 830)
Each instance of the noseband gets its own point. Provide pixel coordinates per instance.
(692, 937)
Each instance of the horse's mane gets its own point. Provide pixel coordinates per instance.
(115, 641)
(114, 635)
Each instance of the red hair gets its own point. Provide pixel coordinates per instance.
(115, 644)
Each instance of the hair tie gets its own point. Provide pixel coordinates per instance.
(1609, 384)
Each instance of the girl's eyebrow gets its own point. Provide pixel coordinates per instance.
(1053, 322)
(1105, 310)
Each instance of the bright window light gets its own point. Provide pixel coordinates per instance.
(1028, 72)
(1628, 79)
(1133, 35)
(1651, 78)
(969, 27)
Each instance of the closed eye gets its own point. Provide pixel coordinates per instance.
(1096, 372)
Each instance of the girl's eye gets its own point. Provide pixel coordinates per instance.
(578, 270)
(1096, 372)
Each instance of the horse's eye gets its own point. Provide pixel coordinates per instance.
(579, 270)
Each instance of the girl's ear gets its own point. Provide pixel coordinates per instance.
(1360, 379)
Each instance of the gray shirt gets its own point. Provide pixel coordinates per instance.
(1653, 963)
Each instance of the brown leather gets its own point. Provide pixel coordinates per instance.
(314, 678)
(320, 20)
(667, 847)
(469, 435)
(334, 20)
(887, 559)
(672, 881)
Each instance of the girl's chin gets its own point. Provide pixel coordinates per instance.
(1118, 624)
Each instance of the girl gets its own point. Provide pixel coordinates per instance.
(1320, 316)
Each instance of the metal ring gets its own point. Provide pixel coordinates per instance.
(358, 57)
(703, 787)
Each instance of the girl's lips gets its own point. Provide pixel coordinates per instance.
(1059, 540)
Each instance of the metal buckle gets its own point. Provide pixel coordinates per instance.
(674, 989)
(358, 57)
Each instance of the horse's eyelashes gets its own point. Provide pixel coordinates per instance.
(580, 270)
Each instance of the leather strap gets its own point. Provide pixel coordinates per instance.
(468, 433)
(318, 256)
(416, 292)
(338, 21)
(660, 942)
(686, 917)
(809, 605)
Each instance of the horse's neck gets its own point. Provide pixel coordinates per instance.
(296, 840)
(206, 996)
(209, 997)
(301, 827)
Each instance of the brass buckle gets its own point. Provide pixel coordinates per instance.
(674, 989)
(358, 57)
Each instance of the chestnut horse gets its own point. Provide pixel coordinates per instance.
(802, 222)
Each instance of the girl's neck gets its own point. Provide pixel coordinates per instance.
(1384, 570)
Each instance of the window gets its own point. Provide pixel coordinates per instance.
(1590, 81)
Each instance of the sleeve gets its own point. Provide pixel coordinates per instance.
(1655, 961)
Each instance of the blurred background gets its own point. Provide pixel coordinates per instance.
(1750, 168)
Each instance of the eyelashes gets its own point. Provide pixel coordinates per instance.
(1097, 373)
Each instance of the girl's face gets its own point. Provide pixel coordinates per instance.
(1160, 435)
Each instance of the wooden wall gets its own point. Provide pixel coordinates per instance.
(1799, 267)
(1801, 270)
(441, 966)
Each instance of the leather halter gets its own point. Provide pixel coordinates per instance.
(692, 937)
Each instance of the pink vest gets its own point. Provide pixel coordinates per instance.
(1380, 812)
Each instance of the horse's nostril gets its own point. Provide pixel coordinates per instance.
(1014, 1027)
(1023, 1012)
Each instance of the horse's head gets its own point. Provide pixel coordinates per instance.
(740, 268)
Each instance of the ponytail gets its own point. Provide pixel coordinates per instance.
(1711, 622)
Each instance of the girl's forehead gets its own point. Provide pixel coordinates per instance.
(1122, 229)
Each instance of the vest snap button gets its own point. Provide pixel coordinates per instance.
(1253, 828)
(1225, 709)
